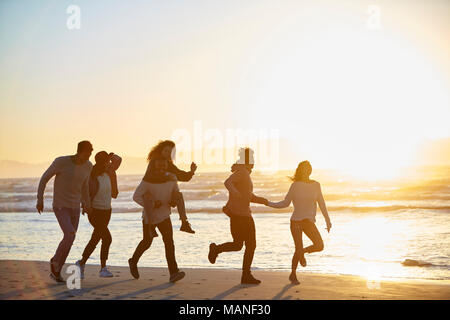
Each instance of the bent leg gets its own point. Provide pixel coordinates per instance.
(95, 237)
(178, 200)
(238, 241)
(310, 229)
(230, 246)
(144, 244)
(250, 246)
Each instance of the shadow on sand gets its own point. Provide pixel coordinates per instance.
(279, 296)
(146, 290)
(233, 289)
(79, 292)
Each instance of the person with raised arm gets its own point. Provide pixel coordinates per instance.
(165, 149)
(71, 187)
(102, 187)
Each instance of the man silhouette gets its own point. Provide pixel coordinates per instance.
(71, 187)
(242, 226)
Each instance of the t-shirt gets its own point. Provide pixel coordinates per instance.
(71, 184)
(157, 191)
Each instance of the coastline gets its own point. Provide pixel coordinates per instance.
(24, 280)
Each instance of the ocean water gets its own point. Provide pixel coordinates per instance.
(376, 225)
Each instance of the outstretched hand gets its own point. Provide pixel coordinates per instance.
(193, 167)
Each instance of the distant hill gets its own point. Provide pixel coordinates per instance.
(434, 152)
(17, 169)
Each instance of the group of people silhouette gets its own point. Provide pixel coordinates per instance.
(77, 182)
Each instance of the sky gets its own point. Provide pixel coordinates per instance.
(339, 86)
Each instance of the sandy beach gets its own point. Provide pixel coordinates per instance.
(30, 280)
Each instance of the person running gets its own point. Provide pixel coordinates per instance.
(305, 194)
(242, 226)
(71, 187)
(164, 149)
(102, 187)
(156, 198)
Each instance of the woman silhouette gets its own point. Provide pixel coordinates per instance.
(305, 194)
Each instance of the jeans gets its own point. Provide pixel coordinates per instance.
(243, 231)
(99, 219)
(68, 219)
(166, 230)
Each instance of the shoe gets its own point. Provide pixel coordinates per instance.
(79, 265)
(212, 255)
(133, 268)
(105, 273)
(177, 276)
(249, 279)
(302, 260)
(293, 279)
(57, 278)
(186, 227)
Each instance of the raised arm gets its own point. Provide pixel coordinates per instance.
(115, 162)
(323, 208)
(48, 174)
(283, 203)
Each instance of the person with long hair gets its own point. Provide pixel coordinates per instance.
(240, 187)
(102, 187)
(155, 198)
(305, 194)
(71, 187)
(164, 150)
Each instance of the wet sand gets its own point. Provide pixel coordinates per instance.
(30, 280)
